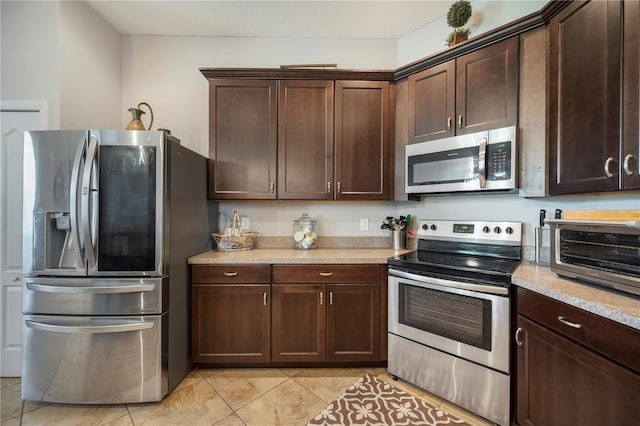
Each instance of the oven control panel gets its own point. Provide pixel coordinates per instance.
(472, 231)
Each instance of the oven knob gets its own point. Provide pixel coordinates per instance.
(425, 227)
(486, 229)
(508, 230)
(497, 230)
(433, 227)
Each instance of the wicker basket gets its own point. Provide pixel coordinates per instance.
(226, 243)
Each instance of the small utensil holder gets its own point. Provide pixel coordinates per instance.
(398, 239)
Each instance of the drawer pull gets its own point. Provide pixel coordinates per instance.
(264, 298)
(230, 274)
(331, 298)
(569, 323)
(326, 274)
(321, 298)
(517, 337)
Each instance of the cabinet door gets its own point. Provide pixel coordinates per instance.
(584, 97)
(353, 322)
(299, 322)
(305, 139)
(631, 97)
(562, 383)
(243, 140)
(362, 140)
(230, 323)
(432, 103)
(487, 88)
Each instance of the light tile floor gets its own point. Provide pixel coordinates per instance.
(225, 397)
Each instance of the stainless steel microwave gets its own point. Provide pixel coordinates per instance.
(605, 253)
(482, 161)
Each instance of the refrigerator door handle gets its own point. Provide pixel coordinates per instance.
(76, 231)
(89, 329)
(86, 201)
(139, 288)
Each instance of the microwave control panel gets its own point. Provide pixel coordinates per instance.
(499, 161)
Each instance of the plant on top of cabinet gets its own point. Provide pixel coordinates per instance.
(457, 17)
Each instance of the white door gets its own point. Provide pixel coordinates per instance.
(16, 117)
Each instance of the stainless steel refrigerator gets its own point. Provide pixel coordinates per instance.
(109, 219)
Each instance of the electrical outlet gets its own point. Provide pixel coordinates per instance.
(245, 223)
(364, 224)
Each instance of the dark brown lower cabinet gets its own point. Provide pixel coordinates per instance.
(317, 322)
(560, 381)
(231, 323)
(299, 323)
(230, 313)
(261, 314)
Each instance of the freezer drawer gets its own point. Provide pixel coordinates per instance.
(94, 360)
(91, 296)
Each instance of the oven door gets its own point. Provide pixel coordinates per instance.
(461, 319)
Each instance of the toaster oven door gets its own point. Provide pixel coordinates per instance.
(601, 253)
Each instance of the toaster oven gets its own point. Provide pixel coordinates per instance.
(605, 253)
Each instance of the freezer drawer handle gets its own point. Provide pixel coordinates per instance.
(138, 288)
(89, 329)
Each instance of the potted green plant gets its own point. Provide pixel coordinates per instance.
(457, 17)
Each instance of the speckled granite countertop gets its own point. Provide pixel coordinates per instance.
(606, 303)
(278, 255)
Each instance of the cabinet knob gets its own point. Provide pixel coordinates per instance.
(607, 167)
(626, 164)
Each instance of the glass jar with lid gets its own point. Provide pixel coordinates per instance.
(305, 233)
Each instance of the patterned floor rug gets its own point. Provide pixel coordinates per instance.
(372, 402)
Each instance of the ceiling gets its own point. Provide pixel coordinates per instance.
(239, 18)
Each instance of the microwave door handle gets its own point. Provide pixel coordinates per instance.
(77, 235)
(86, 201)
(482, 163)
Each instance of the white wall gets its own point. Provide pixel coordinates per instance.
(90, 69)
(65, 54)
(29, 54)
(486, 15)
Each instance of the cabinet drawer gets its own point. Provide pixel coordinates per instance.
(611, 339)
(330, 274)
(227, 274)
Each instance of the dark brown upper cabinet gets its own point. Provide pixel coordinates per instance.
(299, 138)
(305, 139)
(362, 141)
(591, 97)
(474, 92)
(243, 139)
(631, 97)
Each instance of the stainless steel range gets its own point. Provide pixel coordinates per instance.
(449, 313)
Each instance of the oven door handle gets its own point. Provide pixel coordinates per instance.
(451, 284)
